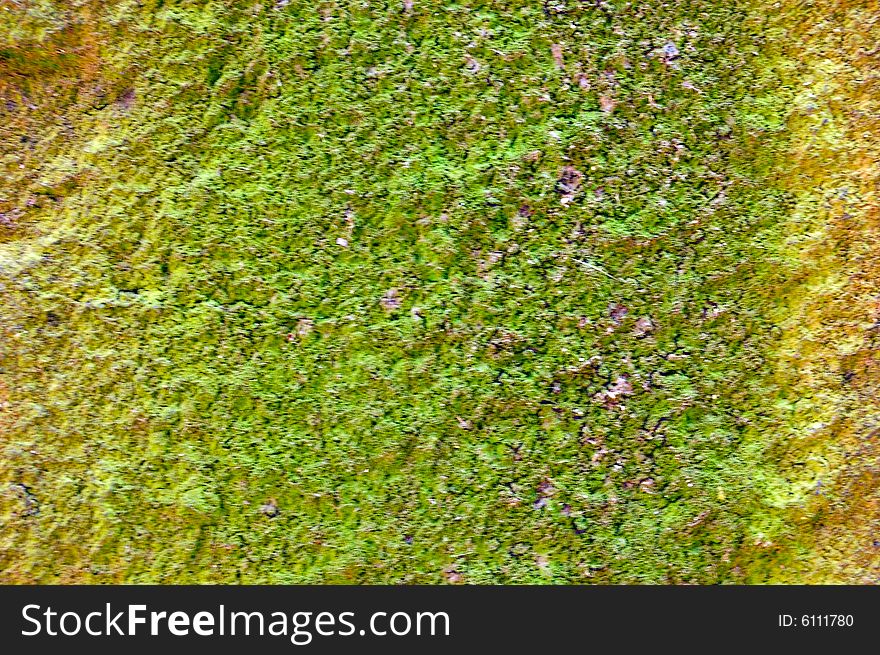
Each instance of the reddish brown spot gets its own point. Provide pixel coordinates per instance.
(556, 49)
(617, 312)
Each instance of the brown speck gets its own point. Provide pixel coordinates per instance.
(348, 215)
(619, 388)
(670, 51)
(10, 219)
(699, 519)
(569, 181)
(126, 99)
(617, 312)
(452, 576)
(643, 326)
(713, 311)
(390, 300)
(270, 508)
(495, 256)
(556, 49)
(607, 104)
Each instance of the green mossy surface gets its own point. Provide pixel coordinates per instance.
(357, 292)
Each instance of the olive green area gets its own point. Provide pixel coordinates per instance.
(372, 292)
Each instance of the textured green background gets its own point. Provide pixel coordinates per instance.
(437, 292)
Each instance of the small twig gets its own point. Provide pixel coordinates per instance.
(598, 269)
